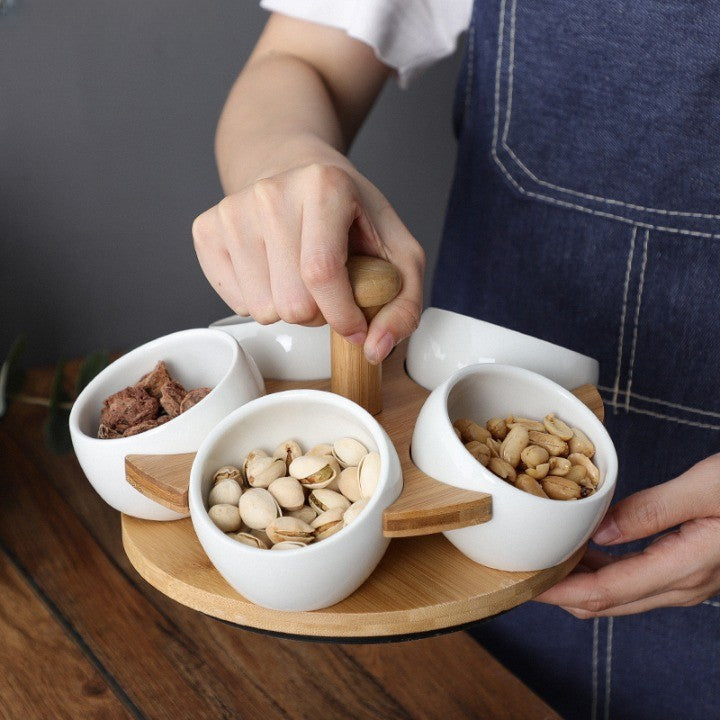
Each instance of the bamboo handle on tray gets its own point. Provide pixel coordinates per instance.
(375, 282)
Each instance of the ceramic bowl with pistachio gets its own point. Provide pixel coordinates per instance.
(287, 495)
(291, 497)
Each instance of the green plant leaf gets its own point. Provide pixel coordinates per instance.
(91, 366)
(11, 374)
(56, 429)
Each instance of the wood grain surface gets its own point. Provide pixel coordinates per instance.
(160, 659)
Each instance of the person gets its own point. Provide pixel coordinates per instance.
(584, 210)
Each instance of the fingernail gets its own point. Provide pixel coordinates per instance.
(357, 338)
(607, 532)
(380, 351)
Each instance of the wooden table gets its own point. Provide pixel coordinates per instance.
(83, 636)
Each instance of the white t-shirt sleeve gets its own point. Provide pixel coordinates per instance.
(408, 35)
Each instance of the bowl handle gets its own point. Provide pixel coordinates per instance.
(375, 282)
(162, 478)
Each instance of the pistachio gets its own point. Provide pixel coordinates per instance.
(227, 472)
(328, 523)
(323, 499)
(553, 444)
(560, 488)
(288, 492)
(369, 474)
(353, 511)
(248, 539)
(321, 449)
(288, 545)
(261, 471)
(225, 517)
(348, 452)
(580, 443)
(258, 508)
(559, 466)
(260, 535)
(591, 469)
(534, 455)
(529, 485)
(305, 513)
(539, 471)
(314, 471)
(498, 428)
(470, 430)
(514, 443)
(349, 484)
(252, 455)
(288, 451)
(480, 451)
(226, 492)
(289, 528)
(502, 469)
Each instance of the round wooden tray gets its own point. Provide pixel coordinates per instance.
(422, 586)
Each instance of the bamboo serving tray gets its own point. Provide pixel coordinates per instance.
(423, 585)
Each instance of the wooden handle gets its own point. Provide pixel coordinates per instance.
(375, 282)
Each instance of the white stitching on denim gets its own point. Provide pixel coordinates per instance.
(471, 66)
(661, 416)
(616, 384)
(596, 626)
(677, 406)
(641, 285)
(608, 667)
(547, 198)
(587, 196)
(712, 603)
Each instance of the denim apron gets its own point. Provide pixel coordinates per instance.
(585, 210)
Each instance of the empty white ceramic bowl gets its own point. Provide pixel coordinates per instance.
(322, 573)
(282, 351)
(446, 341)
(195, 358)
(526, 532)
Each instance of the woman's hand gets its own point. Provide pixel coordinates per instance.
(277, 251)
(680, 568)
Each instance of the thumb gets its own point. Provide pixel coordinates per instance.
(690, 495)
(399, 318)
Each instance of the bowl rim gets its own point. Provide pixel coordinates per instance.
(509, 331)
(444, 390)
(84, 398)
(241, 414)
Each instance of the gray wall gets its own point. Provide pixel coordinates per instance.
(107, 116)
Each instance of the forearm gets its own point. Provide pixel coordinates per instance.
(292, 104)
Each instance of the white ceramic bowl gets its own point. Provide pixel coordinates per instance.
(195, 358)
(321, 574)
(282, 351)
(526, 532)
(446, 341)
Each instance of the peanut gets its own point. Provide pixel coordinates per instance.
(557, 427)
(560, 488)
(502, 469)
(526, 422)
(479, 451)
(494, 446)
(513, 444)
(529, 485)
(553, 444)
(559, 466)
(534, 455)
(539, 471)
(580, 443)
(590, 468)
(470, 430)
(498, 428)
